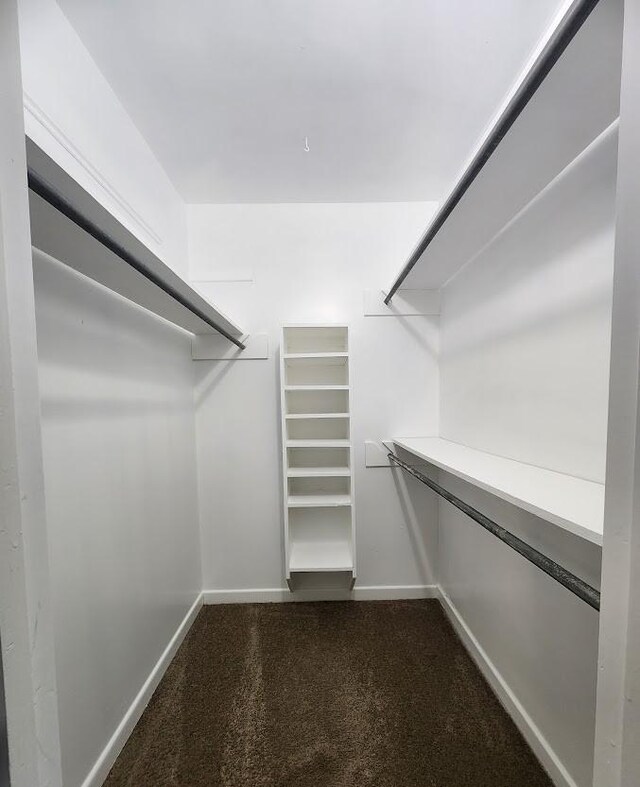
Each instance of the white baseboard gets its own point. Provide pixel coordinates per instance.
(280, 595)
(530, 731)
(105, 761)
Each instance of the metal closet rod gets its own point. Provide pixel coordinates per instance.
(42, 189)
(551, 53)
(570, 581)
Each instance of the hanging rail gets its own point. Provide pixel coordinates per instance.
(39, 187)
(570, 581)
(551, 53)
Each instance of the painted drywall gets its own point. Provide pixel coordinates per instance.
(305, 264)
(120, 480)
(539, 638)
(526, 327)
(28, 654)
(72, 112)
(525, 335)
(227, 93)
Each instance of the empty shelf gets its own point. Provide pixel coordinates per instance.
(318, 472)
(316, 388)
(318, 501)
(134, 272)
(571, 503)
(316, 356)
(318, 443)
(298, 416)
(320, 556)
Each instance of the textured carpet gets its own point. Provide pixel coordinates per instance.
(343, 694)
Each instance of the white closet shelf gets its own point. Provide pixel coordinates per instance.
(571, 503)
(315, 356)
(320, 556)
(316, 388)
(511, 178)
(318, 501)
(59, 237)
(301, 416)
(318, 443)
(318, 472)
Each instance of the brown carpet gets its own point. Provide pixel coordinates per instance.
(341, 694)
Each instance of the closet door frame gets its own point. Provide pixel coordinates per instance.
(617, 742)
(26, 627)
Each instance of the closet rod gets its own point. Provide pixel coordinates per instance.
(570, 581)
(558, 42)
(39, 187)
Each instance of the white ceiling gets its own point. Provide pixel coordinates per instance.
(392, 94)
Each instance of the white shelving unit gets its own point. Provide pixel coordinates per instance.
(317, 450)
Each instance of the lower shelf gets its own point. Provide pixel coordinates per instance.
(318, 443)
(318, 501)
(318, 555)
(319, 472)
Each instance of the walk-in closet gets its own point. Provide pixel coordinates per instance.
(319, 393)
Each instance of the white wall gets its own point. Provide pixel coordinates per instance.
(120, 481)
(117, 409)
(526, 327)
(309, 263)
(72, 113)
(525, 334)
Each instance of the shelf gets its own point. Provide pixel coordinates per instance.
(318, 444)
(316, 372)
(315, 356)
(302, 416)
(311, 401)
(317, 429)
(318, 472)
(320, 556)
(316, 388)
(318, 501)
(550, 133)
(58, 237)
(311, 339)
(571, 503)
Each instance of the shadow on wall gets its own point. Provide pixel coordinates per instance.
(207, 376)
(411, 500)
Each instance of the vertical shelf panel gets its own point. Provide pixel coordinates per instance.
(317, 449)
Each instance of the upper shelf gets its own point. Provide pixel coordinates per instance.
(571, 503)
(55, 234)
(577, 101)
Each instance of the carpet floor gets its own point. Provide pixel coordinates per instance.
(340, 694)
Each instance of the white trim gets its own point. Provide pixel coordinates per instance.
(283, 595)
(375, 453)
(105, 761)
(39, 115)
(523, 721)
